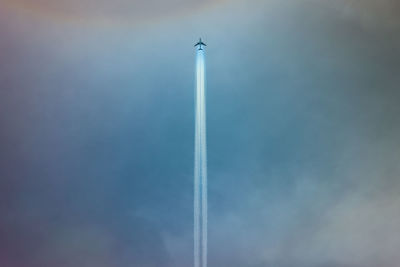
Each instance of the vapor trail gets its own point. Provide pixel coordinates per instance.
(200, 170)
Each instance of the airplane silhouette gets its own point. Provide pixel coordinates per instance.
(200, 44)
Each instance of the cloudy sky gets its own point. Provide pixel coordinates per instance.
(97, 132)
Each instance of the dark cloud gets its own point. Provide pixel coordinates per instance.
(97, 138)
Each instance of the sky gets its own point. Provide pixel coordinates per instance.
(97, 132)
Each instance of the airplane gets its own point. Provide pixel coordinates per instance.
(200, 43)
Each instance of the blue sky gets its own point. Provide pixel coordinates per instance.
(97, 132)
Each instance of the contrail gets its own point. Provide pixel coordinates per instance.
(200, 164)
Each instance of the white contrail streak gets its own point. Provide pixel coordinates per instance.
(200, 170)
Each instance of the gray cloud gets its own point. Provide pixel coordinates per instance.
(104, 10)
(97, 128)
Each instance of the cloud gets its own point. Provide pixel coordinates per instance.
(121, 10)
(97, 127)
